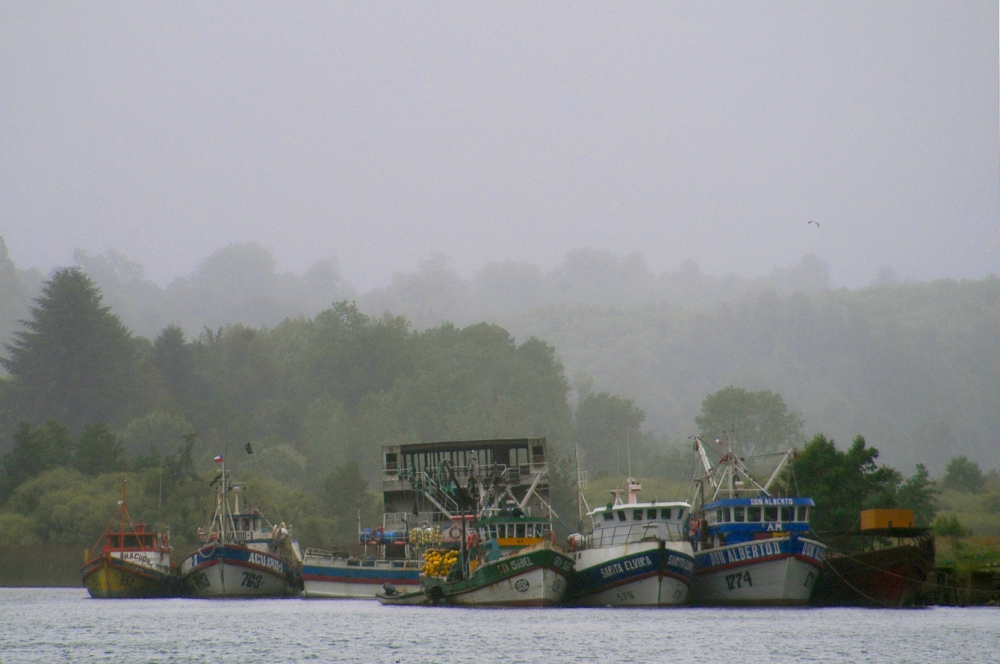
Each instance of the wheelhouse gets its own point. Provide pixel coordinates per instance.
(512, 531)
(744, 518)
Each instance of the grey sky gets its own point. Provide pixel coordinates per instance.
(381, 133)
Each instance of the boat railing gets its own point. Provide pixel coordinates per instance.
(488, 473)
(627, 533)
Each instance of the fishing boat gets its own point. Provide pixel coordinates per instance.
(327, 574)
(636, 555)
(751, 548)
(509, 559)
(883, 564)
(127, 561)
(241, 553)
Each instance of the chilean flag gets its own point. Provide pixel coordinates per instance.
(218, 459)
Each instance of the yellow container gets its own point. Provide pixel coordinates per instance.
(883, 518)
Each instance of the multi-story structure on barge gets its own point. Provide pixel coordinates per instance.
(428, 490)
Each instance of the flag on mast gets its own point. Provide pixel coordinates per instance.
(218, 459)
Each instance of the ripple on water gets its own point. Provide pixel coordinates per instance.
(52, 625)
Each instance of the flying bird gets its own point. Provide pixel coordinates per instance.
(812, 222)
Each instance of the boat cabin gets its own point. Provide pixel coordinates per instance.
(624, 522)
(250, 529)
(510, 532)
(735, 520)
(138, 540)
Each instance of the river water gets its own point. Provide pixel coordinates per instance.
(65, 625)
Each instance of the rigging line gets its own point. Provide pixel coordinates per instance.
(888, 573)
(274, 503)
(854, 588)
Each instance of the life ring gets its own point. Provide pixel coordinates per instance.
(378, 534)
(693, 527)
(472, 540)
(455, 533)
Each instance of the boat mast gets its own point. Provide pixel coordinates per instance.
(225, 502)
(579, 492)
(121, 537)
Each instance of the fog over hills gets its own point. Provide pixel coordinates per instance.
(801, 197)
(911, 365)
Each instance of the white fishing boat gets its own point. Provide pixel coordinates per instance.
(242, 554)
(751, 548)
(636, 555)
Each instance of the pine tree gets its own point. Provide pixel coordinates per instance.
(74, 361)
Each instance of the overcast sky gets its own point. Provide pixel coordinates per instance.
(382, 133)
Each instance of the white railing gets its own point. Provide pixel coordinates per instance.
(635, 532)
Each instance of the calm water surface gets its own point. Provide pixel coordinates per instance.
(65, 625)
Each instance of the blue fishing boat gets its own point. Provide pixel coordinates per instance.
(751, 547)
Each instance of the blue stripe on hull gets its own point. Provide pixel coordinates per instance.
(631, 568)
(360, 575)
(739, 555)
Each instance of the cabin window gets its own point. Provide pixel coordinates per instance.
(753, 514)
(520, 530)
(651, 514)
(726, 515)
(803, 513)
(390, 461)
(739, 515)
(770, 513)
(538, 452)
(493, 532)
(246, 523)
(621, 515)
(787, 514)
(718, 516)
(637, 515)
(665, 513)
(680, 514)
(608, 516)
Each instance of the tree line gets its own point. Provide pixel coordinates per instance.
(86, 400)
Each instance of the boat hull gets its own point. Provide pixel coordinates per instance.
(535, 577)
(774, 572)
(637, 574)
(235, 571)
(886, 577)
(406, 598)
(337, 578)
(108, 577)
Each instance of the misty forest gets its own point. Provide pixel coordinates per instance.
(890, 391)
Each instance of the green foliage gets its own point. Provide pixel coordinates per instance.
(602, 421)
(964, 475)
(948, 526)
(919, 493)
(74, 361)
(98, 450)
(346, 498)
(34, 452)
(842, 483)
(761, 420)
